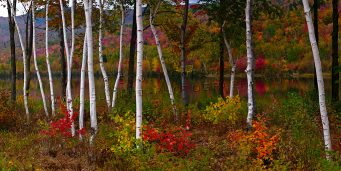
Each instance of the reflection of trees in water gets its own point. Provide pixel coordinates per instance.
(197, 89)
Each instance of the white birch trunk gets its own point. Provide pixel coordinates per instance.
(82, 84)
(162, 61)
(250, 62)
(100, 55)
(24, 61)
(138, 86)
(231, 61)
(35, 61)
(47, 57)
(68, 62)
(92, 93)
(119, 70)
(319, 77)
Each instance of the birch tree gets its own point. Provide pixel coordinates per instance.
(231, 61)
(11, 27)
(41, 87)
(68, 61)
(119, 70)
(92, 93)
(24, 60)
(138, 85)
(47, 56)
(82, 84)
(250, 62)
(152, 16)
(319, 76)
(100, 52)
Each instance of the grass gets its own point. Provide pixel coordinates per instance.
(300, 145)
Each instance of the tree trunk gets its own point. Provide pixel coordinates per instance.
(132, 53)
(316, 28)
(138, 86)
(68, 62)
(221, 63)
(62, 59)
(183, 53)
(47, 57)
(13, 60)
(231, 61)
(92, 93)
(250, 63)
(41, 87)
(100, 52)
(320, 82)
(335, 52)
(82, 84)
(162, 61)
(119, 72)
(24, 60)
(29, 46)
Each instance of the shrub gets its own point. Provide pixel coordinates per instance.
(176, 141)
(223, 110)
(258, 144)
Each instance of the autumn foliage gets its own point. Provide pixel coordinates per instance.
(177, 141)
(62, 126)
(259, 143)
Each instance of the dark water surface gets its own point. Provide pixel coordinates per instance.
(198, 89)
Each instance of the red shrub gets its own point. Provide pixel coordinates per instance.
(176, 141)
(62, 126)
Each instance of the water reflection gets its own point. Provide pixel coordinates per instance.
(197, 89)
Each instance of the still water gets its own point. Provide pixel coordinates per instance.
(197, 89)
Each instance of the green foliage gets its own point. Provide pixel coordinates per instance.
(223, 110)
(124, 133)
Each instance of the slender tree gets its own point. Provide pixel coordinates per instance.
(13, 60)
(100, 52)
(162, 61)
(316, 28)
(68, 61)
(29, 47)
(183, 52)
(92, 93)
(62, 59)
(41, 87)
(319, 76)
(47, 56)
(119, 70)
(335, 52)
(231, 61)
(132, 53)
(82, 84)
(138, 87)
(250, 62)
(24, 59)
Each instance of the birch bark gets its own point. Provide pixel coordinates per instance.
(231, 61)
(82, 84)
(250, 62)
(24, 61)
(319, 76)
(92, 92)
(119, 70)
(138, 86)
(41, 87)
(100, 52)
(47, 57)
(162, 61)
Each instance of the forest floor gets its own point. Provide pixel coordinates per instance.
(286, 135)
